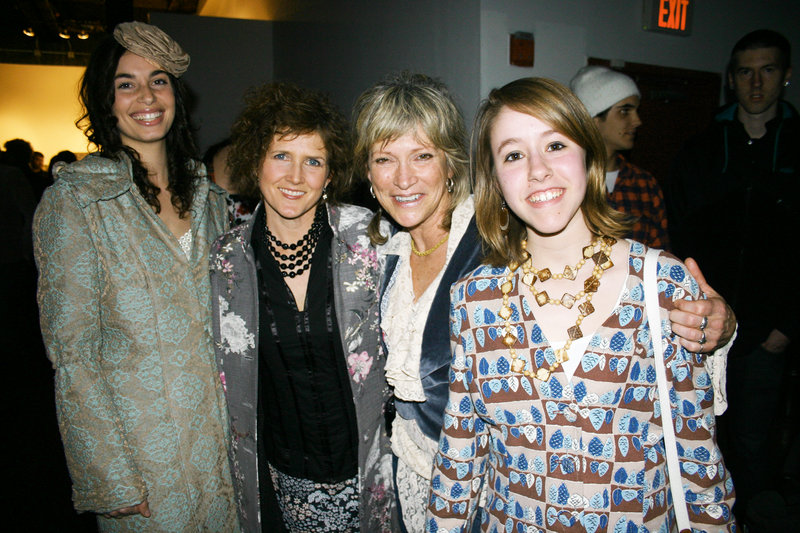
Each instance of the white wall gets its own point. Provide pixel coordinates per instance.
(568, 31)
(348, 46)
(340, 48)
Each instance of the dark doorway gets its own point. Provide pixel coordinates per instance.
(676, 104)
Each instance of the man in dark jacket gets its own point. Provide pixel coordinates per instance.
(733, 205)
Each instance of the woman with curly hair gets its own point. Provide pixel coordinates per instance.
(121, 242)
(295, 314)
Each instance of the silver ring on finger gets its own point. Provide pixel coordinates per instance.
(704, 323)
(703, 339)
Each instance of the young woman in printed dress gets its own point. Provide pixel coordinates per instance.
(553, 402)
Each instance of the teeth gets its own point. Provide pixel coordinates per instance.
(411, 198)
(147, 116)
(289, 192)
(546, 195)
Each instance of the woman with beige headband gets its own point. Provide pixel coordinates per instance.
(121, 242)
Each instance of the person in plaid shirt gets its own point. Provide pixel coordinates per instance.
(612, 99)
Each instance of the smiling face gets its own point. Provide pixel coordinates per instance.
(144, 102)
(757, 78)
(618, 128)
(292, 176)
(408, 177)
(541, 173)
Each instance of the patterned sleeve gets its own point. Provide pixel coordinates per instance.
(460, 462)
(706, 481)
(103, 474)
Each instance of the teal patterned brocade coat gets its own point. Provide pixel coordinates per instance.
(125, 316)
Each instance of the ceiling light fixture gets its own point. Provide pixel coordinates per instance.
(29, 32)
(83, 35)
(64, 34)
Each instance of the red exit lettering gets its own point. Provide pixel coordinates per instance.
(672, 14)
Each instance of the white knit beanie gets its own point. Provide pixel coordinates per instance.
(600, 88)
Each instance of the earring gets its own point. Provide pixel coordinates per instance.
(371, 192)
(325, 193)
(450, 185)
(504, 225)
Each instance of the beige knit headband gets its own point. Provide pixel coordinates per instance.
(153, 45)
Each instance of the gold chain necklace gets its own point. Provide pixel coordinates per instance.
(429, 251)
(602, 261)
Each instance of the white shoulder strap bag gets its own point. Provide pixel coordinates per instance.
(670, 444)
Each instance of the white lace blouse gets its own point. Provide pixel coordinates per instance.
(403, 324)
(185, 241)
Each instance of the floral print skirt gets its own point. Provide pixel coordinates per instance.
(311, 506)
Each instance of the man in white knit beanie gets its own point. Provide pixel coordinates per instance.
(612, 98)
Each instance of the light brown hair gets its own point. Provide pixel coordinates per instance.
(556, 105)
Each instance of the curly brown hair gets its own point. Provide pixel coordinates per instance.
(285, 109)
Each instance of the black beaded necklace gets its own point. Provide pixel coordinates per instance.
(295, 263)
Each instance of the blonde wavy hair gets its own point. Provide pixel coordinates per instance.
(400, 104)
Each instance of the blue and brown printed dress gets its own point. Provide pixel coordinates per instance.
(579, 454)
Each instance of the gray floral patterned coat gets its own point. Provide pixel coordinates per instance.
(125, 316)
(356, 278)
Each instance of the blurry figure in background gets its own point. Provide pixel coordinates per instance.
(240, 206)
(295, 316)
(121, 242)
(612, 100)
(19, 153)
(16, 246)
(734, 204)
(64, 156)
(37, 162)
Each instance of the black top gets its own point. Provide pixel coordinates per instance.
(734, 205)
(307, 424)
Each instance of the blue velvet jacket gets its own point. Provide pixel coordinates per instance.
(435, 361)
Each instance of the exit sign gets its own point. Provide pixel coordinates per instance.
(668, 16)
